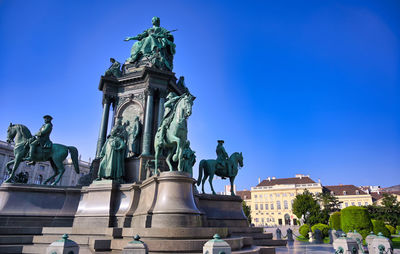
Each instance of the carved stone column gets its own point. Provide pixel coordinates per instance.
(103, 126)
(148, 123)
(160, 108)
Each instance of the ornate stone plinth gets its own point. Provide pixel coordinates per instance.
(222, 210)
(167, 201)
(106, 203)
(37, 205)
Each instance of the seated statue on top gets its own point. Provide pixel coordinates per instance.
(156, 45)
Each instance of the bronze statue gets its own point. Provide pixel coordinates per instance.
(135, 137)
(41, 138)
(114, 69)
(222, 158)
(156, 44)
(44, 150)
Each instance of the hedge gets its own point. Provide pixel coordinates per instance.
(398, 228)
(391, 229)
(334, 221)
(379, 226)
(356, 218)
(322, 227)
(304, 229)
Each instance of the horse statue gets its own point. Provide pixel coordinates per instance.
(173, 138)
(21, 135)
(208, 167)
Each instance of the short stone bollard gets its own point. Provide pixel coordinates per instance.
(369, 240)
(334, 234)
(317, 236)
(63, 246)
(345, 245)
(289, 235)
(381, 245)
(278, 234)
(216, 246)
(355, 235)
(135, 247)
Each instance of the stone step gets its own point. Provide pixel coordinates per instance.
(20, 231)
(15, 239)
(269, 242)
(179, 246)
(115, 232)
(175, 233)
(11, 249)
(41, 248)
(255, 235)
(245, 230)
(79, 239)
(267, 250)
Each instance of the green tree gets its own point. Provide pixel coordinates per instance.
(306, 206)
(389, 212)
(390, 201)
(329, 202)
(247, 211)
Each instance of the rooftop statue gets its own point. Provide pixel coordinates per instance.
(223, 166)
(114, 69)
(113, 154)
(155, 45)
(39, 148)
(171, 136)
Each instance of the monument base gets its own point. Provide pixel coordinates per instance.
(23, 205)
(167, 200)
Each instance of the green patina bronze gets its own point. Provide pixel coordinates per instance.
(113, 154)
(155, 45)
(39, 148)
(171, 136)
(134, 138)
(223, 166)
(114, 70)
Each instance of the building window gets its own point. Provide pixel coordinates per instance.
(285, 194)
(261, 207)
(266, 196)
(346, 204)
(291, 194)
(272, 206)
(285, 204)
(270, 195)
(359, 203)
(255, 196)
(352, 203)
(344, 192)
(266, 206)
(366, 203)
(256, 207)
(256, 219)
(278, 195)
(278, 205)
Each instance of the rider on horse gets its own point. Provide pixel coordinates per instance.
(222, 158)
(41, 138)
(169, 105)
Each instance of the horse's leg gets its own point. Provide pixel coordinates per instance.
(61, 170)
(8, 166)
(168, 160)
(16, 162)
(54, 167)
(157, 150)
(232, 179)
(203, 181)
(211, 185)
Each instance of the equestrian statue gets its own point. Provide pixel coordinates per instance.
(39, 148)
(224, 166)
(171, 136)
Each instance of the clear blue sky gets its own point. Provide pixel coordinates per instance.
(298, 86)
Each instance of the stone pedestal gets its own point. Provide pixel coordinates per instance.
(216, 246)
(37, 205)
(222, 210)
(63, 246)
(106, 203)
(381, 244)
(345, 245)
(167, 201)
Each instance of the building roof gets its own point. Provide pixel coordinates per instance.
(341, 190)
(245, 194)
(377, 196)
(292, 180)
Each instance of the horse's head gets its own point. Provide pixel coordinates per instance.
(238, 158)
(11, 132)
(186, 104)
